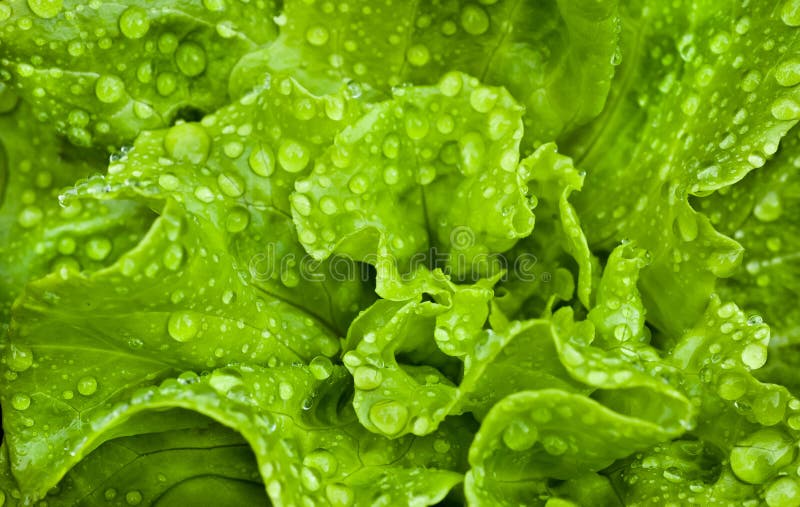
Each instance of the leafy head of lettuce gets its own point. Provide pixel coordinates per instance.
(316, 253)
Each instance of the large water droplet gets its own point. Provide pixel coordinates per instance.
(520, 436)
(134, 23)
(20, 401)
(183, 326)
(191, 59)
(293, 156)
(474, 20)
(46, 8)
(769, 208)
(759, 456)
(188, 142)
(388, 416)
(109, 89)
(87, 386)
(790, 12)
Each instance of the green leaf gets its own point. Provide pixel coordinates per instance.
(307, 449)
(414, 362)
(542, 267)
(556, 57)
(239, 200)
(425, 170)
(175, 467)
(678, 472)
(755, 424)
(532, 436)
(109, 70)
(37, 236)
(154, 312)
(700, 71)
(761, 212)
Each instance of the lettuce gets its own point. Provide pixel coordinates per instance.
(370, 253)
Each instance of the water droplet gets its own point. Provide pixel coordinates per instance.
(98, 248)
(450, 85)
(20, 401)
(224, 381)
(483, 99)
(214, 5)
(183, 326)
(173, 257)
(473, 151)
(191, 59)
(166, 83)
(328, 205)
(754, 356)
(317, 35)
(230, 184)
(5, 13)
(732, 386)
(19, 358)
(785, 109)
(784, 492)
(520, 436)
(293, 156)
(310, 479)
(418, 55)
(759, 456)
(322, 460)
(46, 8)
(339, 495)
(285, 391)
(30, 216)
(790, 12)
(554, 445)
(262, 161)
(109, 89)
(358, 184)
(769, 207)
(87, 386)
(169, 182)
(720, 43)
(134, 22)
(321, 367)
(686, 47)
(133, 497)
(788, 72)
(690, 104)
(416, 125)
(391, 175)
(474, 20)
(334, 107)
(188, 142)
(204, 194)
(367, 378)
(388, 416)
(168, 43)
(751, 81)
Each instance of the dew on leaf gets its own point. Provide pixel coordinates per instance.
(474, 19)
(87, 386)
(293, 156)
(183, 326)
(388, 416)
(190, 59)
(109, 89)
(134, 22)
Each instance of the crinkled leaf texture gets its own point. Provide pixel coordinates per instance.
(373, 253)
(176, 58)
(715, 86)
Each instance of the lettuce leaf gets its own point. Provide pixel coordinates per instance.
(373, 253)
